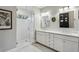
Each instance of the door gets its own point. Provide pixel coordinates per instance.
(70, 46)
(42, 38)
(22, 30)
(25, 28)
(46, 39)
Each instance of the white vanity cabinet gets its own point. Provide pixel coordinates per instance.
(43, 38)
(59, 42)
(65, 43)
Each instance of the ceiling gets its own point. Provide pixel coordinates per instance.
(40, 7)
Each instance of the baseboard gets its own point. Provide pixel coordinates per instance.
(47, 47)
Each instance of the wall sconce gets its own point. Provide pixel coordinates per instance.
(66, 8)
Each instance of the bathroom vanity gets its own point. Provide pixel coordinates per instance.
(64, 42)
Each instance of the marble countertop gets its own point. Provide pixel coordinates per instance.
(75, 34)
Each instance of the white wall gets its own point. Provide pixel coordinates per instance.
(37, 17)
(8, 37)
(54, 26)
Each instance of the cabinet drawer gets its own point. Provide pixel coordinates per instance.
(42, 33)
(71, 38)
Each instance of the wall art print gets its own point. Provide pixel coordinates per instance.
(5, 19)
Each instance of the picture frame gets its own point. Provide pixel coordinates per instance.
(5, 19)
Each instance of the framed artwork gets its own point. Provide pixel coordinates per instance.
(5, 19)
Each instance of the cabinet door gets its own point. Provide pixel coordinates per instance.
(51, 40)
(39, 37)
(58, 44)
(70, 46)
(46, 39)
(43, 38)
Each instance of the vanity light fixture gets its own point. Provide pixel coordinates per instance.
(71, 7)
(66, 8)
(61, 9)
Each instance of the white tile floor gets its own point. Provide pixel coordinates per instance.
(31, 48)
